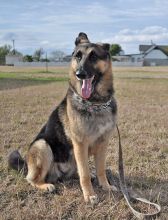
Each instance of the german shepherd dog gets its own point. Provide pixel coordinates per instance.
(79, 127)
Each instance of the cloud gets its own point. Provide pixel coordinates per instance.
(155, 33)
(44, 42)
(9, 36)
(55, 24)
(89, 13)
(128, 38)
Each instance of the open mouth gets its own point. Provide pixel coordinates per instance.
(86, 88)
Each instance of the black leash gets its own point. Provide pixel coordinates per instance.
(126, 195)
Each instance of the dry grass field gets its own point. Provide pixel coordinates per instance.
(27, 97)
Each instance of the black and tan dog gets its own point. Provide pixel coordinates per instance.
(80, 126)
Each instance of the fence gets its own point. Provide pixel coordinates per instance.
(127, 63)
(40, 64)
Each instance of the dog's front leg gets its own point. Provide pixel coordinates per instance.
(100, 162)
(81, 156)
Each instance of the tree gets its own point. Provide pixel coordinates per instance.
(57, 55)
(45, 60)
(15, 52)
(38, 54)
(4, 50)
(115, 49)
(28, 58)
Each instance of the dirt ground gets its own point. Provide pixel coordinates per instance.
(26, 103)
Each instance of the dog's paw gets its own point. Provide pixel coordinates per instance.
(50, 187)
(109, 187)
(92, 200)
(46, 187)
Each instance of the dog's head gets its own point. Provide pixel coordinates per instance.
(90, 66)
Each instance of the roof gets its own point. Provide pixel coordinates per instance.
(148, 48)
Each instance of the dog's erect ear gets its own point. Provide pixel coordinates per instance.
(105, 46)
(82, 38)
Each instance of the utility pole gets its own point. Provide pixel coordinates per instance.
(13, 41)
(46, 63)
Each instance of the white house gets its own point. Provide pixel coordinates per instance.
(150, 55)
(154, 55)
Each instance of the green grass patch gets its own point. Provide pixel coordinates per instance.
(30, 77)
(15, 80)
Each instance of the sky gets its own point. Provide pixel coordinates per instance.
(54, 25)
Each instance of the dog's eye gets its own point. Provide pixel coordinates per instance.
(78, 56)
(93, 57)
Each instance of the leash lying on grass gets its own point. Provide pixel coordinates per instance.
(126, 195)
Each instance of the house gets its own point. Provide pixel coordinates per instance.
(150, 55)
(154, 55)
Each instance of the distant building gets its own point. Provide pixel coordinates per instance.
(11, 59)
(122, 52)
(67, 58)
(154, 55)
(129, 58)
(150, 55)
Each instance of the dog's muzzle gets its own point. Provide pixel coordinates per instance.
(81, 74)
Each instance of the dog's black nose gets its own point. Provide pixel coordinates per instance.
(81, 74)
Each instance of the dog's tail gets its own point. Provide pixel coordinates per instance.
(16, 162)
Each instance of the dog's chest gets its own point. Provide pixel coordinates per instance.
(96, 125)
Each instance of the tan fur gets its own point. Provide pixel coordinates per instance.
(39, 160)
(81, 155)
(75, 83)
(100, 156)
(106, 68)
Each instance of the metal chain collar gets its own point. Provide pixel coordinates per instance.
(92, 107)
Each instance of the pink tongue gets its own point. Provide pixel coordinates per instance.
(86, 88)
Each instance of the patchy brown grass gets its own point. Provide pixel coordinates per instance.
(142, 118)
